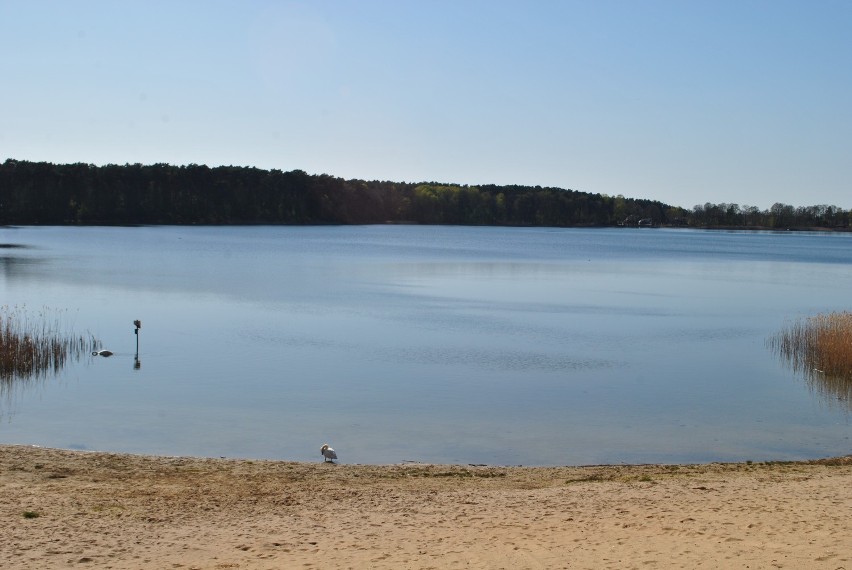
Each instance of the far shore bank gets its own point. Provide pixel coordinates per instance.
(815, 229)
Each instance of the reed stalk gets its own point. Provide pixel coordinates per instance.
(820, 347)
(34, 347)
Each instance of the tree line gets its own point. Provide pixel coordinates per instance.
(59, 194)
(778, 216)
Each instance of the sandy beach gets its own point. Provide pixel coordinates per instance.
(64, 509)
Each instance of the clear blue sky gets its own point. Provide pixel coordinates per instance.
(676, 100)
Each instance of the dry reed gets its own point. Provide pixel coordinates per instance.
(820, 348)
(34, 348)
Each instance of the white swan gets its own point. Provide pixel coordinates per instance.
(328, 453)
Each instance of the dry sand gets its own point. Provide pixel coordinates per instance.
(64, 509)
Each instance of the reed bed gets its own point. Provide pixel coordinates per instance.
(37, 346)
(820, 347)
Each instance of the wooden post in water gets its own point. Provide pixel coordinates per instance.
(136, 364)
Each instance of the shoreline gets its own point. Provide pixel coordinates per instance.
(109, 510)
(834, 460)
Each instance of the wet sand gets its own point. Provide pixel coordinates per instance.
(69, 509)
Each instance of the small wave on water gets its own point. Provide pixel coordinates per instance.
(503, 360)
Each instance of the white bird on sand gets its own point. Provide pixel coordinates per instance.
(328, 453)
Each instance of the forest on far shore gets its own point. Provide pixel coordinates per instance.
(42, 193)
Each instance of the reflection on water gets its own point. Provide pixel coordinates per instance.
(835, 390)
(14, 267)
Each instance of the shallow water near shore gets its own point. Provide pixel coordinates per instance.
(436, 344)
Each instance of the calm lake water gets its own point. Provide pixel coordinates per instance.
(434, 344)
